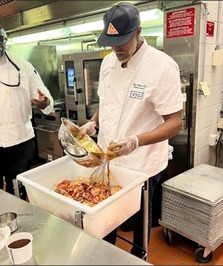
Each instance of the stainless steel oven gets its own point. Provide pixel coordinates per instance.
(46, 129)
(81, 75)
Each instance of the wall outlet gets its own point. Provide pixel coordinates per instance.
(213, 139)
(217, 58)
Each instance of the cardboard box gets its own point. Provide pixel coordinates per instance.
(98, 220)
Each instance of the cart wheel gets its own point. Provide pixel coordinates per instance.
(168, 236)
(199, 255)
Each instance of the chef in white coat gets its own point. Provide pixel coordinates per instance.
(140, 103)
(20, 88)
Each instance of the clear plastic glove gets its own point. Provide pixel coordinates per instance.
(170, 152)
(89, 128)
(122, 147)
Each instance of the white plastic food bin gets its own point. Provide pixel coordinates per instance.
(98, 220)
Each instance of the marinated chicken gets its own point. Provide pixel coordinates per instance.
(85, 192)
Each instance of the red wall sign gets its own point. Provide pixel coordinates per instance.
(210, 29)
(180, 23)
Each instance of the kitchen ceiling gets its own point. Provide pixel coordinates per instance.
(10, 7)
(18, 15)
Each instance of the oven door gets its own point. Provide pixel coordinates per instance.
(48, 144)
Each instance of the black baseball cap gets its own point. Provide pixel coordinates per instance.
(120, 22)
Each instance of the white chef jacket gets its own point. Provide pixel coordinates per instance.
(16, 109)
(133, 100)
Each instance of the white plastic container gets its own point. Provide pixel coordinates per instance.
(21, 252)
(98, 220)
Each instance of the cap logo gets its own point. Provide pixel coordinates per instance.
(112, 29)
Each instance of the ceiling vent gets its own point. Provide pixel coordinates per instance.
(4, 2)
(7, 8)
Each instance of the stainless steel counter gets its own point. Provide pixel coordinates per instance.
(57, 242)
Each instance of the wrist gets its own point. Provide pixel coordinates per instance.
(48, 102)
(136, 141)
(93, 121)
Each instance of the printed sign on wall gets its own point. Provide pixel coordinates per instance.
(210, 29)
(180, 23)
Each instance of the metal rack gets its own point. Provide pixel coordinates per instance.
(192, 205)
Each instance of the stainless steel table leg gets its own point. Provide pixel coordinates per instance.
(16, 187)
(78, 219)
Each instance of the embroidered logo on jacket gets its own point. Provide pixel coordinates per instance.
(137, 95)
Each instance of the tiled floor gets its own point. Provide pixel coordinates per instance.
(180, 252)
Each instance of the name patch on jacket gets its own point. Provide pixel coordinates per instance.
(138, 93)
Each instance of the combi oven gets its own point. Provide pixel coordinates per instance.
(81, 75)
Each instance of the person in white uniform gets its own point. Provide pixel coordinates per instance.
(20, 88)
(139, 109)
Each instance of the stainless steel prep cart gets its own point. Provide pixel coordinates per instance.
(57, 242)
(192, 205)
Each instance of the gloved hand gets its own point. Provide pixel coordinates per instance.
(89, 128)
(122, 147)
(170, 152)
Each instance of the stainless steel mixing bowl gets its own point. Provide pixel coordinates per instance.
(80, 147)
(9, 219)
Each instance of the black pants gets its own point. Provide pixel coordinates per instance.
(13, 161)
(155, 199)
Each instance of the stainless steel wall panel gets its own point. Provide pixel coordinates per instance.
(44, 59)
(185, 51)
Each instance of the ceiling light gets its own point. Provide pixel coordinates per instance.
(35, 37)
(87, 27)
(150, 15)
